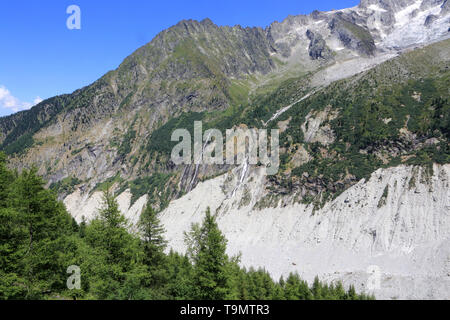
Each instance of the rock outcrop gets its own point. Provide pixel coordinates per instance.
(430, 19)
(352, 35)
(318, 48)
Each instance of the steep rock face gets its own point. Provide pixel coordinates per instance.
(86, 206)
(191, 66)
(430, 19)
(237, 50)
(93, 133)
(391, 24)
(318, 48)
(352, 35)
(190, 50)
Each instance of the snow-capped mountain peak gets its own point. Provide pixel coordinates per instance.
(372, 26)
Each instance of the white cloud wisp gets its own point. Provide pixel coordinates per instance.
(8, 101)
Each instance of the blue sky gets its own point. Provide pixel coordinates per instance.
(40, 57)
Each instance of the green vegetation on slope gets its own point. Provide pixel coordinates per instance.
(371, 130)
(399, 112)
(26, 123)
(65, 186)
(155, 186)
(396, 113)
(160, 139)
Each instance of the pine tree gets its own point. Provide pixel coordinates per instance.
(154, 244)
(278, 292)
(82, 229)
(317, 289)
(180, 277)
(297, 289)
(211, 279)
(114, 265)
(152, 232)
(340, 291)
(110, 213)
(292, 287)
(304, 291)
(351, 294)
(11, 235)
(47, 225)
(267, 285)
(242, 286)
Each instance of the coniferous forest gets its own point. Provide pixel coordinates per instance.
(40, 241)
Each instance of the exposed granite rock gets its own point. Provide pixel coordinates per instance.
(318, 48)
(430, 19)
(317, 15)
(352, 35)
(277, 32)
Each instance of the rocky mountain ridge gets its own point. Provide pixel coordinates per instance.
(193, 66)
